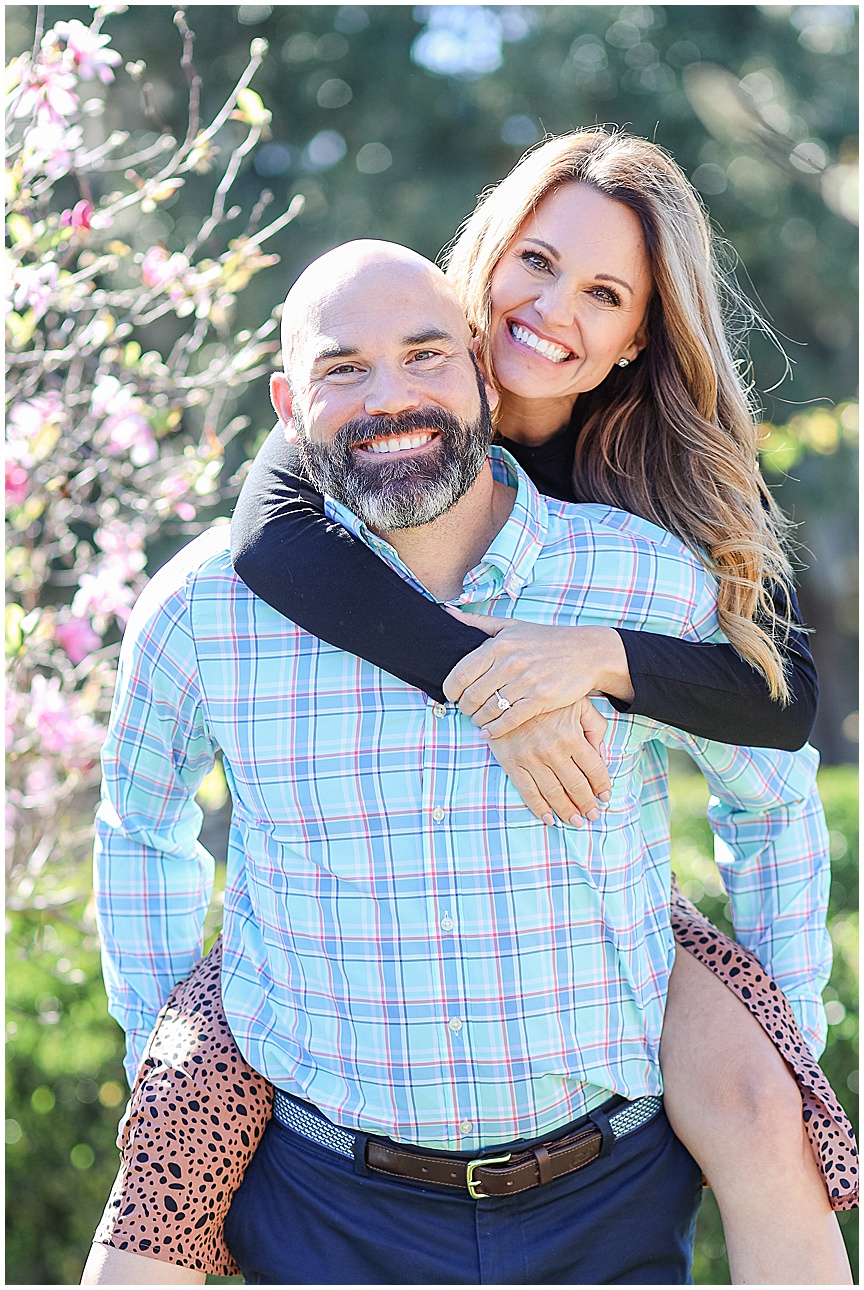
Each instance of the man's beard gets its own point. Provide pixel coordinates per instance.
(387, 493)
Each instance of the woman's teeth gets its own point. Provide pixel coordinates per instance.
(556, 353)
(397, 443)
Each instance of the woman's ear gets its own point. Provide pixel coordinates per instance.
(283, 403)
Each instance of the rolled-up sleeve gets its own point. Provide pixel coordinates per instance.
(152, 877)
(771, 846)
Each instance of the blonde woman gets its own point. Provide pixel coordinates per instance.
(620, 387)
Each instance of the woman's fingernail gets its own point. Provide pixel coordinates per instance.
(548, 819)
(576, 820)
(593, 814)
(483, 732)
(604, 797)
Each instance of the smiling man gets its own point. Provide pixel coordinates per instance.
(394, 424)
(460, 1009)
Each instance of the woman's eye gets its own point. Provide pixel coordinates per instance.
(535, 260)
(607, 295)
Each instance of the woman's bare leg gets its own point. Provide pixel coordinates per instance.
(107, 1266)
(734, 1103)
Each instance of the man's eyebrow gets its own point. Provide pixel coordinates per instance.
(335, 351)
(431, 334)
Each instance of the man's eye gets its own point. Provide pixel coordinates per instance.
(423, 355)
(344, 369)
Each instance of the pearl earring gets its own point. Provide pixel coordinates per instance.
(623, 362)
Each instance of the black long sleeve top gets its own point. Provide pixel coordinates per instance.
(313, 571)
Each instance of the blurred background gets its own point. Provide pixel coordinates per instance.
(388, 121)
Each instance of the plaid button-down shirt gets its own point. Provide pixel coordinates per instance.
(405, 945)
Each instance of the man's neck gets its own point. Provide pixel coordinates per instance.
(441, 553)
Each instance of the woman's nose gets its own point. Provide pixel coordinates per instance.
(556, 306)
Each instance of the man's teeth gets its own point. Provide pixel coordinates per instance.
(557, 353)
(397, 443)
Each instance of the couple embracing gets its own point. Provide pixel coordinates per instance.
(427, 1048)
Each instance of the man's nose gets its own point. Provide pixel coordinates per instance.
(391, 391)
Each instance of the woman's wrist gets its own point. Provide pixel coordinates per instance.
(611, 669)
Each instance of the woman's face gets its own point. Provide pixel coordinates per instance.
(569, 296)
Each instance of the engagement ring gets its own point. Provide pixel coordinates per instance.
(503, 703)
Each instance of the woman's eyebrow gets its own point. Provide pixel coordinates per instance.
(609, 277)
(547, 246)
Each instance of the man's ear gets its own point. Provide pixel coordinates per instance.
(283, 403)
(491, 393)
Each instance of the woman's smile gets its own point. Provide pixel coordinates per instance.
(525, 336)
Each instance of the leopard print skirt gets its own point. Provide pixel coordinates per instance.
(198, 1110)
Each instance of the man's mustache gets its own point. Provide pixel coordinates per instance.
(364, 429)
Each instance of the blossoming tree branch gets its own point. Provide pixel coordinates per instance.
(114, 434)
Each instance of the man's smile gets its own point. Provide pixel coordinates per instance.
(400, 443)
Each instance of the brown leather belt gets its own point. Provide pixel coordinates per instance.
(503, 1175)
(485, 1177)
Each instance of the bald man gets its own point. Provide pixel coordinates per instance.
(459, 1007)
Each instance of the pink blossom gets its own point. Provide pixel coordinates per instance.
(41, 781)
(130, 432)
(87, 50)
(77, 638)
(49, 147)
(48, 96)
(62, 726)
(33, 427)
(123, 545)
(79, 217)
(34, 285)
(17, 484)
(159, 269)
(103, 595)
(125, 428)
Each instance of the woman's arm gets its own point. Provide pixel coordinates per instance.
(314, 572)
(706, 690)
(710, 691)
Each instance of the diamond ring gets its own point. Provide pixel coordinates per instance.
(503, 704)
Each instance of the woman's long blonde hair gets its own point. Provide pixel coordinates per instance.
(672, 437)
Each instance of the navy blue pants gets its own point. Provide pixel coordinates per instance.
(303, 1216)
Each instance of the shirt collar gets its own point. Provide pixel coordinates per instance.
(508, 564)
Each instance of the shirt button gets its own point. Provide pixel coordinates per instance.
(447, 923)
(466, 1126)
(455, 1024)
(440, 709)
(438, 814)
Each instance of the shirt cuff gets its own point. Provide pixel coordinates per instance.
(812, 1022)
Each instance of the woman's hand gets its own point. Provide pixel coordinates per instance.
(554, 761)
(536, 669)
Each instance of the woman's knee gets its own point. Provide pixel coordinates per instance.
(726, 1083)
